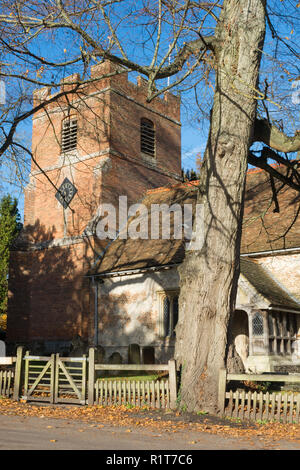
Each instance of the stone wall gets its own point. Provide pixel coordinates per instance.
(285, 269)
(129, 313)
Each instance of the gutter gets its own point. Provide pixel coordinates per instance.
(289, 310)
(133, 271)
(283, 251)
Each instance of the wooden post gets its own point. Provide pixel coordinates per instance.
(91, 379)
(18, 372)
(222, 391)
(172, 383)
(83, 380)
(56, 377)
(52, 379)
(26, 375)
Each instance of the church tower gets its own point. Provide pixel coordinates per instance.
(90, 145)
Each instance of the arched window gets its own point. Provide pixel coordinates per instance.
(169, 314)
(257, 325)
(166, 316)
(69, 134)
(147, 137)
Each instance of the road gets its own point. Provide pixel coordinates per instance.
(36, 433)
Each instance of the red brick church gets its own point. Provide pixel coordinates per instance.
(100, 142)
(103, 140)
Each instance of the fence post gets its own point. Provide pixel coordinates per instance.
(91, 379)
(222, 391)
(52, 379)
(172, 383)
(18, 373)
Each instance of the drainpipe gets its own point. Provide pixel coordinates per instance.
(95, 285)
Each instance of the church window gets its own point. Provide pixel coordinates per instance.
(169, 314)
(69, 134)
(257, 325)
(147, 137)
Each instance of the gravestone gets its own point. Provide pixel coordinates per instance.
(148, 355)
(99, 355)
(78, 347)
(115, 358)
(134, 354)
(2, 349)
(99, 359)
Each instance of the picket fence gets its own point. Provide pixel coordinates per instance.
(6, 383)
(161, 393)
(240, 404)
(7, 376)
(152, 394)
(279, 406)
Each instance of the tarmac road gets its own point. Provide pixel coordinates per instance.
(36, 433)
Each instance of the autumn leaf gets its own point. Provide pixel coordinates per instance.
(120, 416)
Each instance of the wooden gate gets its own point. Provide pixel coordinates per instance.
(55, 379)
(39, 378)
(70, 380)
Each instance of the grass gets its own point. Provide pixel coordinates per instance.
(132, 377)
(234, 420)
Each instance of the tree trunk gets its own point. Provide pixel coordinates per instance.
(208, 278)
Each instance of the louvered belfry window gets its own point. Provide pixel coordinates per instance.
(69, 134)
(147, 137)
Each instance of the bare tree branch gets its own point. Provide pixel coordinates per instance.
(272, 136)
(262, 163)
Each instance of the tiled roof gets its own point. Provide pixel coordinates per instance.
(263, 229)
(265, 285)
(131, 253)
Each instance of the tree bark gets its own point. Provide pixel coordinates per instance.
(208, 278)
